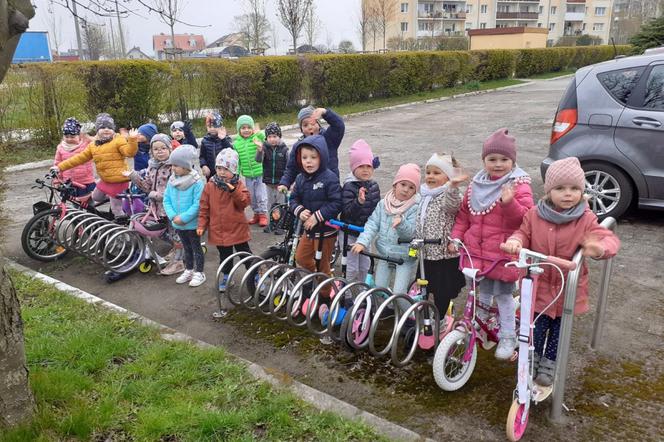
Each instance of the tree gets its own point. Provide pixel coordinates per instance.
(385, 10)
(292, 14)
(95, 40)
(346, 47)
(650, 36)
(363, 21)
(54, 27)
(168, 11)
(311, 26)
(254, 25)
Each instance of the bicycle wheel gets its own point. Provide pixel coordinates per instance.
(38, 237)
(449, 369)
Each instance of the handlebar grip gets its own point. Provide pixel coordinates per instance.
(403, 241)
(345, 226)
(562, 263)
(433, 241)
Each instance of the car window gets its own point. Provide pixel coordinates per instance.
(620, 83)
(654, 96)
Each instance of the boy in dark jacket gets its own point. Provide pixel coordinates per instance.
(360, 196)
(145, 134)
(308, 120)
(213, 142)
(182, 133)
(273, 154)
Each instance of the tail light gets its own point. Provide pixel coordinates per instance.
(565, 121)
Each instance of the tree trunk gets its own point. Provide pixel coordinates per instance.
(16, 401)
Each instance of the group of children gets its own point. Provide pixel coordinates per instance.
(494, 218)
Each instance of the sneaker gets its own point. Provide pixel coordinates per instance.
(172, 268)
(222, 283)
(198, 279)
(253, 220)
(262, 220)
(505, 348)
(185, 277)
(545, 372)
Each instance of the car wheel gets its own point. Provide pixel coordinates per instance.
(610, 191)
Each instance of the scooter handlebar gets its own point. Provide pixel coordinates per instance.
(397, 261)
(562, 263)
(344, 226)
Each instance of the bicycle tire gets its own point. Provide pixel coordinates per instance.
(38, 237)
(453, 341)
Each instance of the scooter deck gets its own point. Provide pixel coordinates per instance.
(541, 392)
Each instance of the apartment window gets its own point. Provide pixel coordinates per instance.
(600, 11)
(404, 7)
(428, 8)
(469, 9)
(404, 26)
(598, 26)
(482, 25)
(541, 9)
(583, 27)
(425, 26)
(469, 25)
(553, 10)
(503, 8)
(483, 9)
(551, 26)
(539, 25)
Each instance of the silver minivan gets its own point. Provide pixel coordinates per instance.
(612, 118)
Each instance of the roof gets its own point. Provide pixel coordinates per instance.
(137, 49)
(234, 39)
(504, 31)
(182, 42)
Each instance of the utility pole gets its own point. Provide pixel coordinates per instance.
(113, 48)
(122, 42)
(78, 32)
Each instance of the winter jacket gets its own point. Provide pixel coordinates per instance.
(379, 227)
(246, 149)
(562, 240)
(333, 136)
(438, 222)
(142, 157)
(352, 212)
(483, 234)
(82, 174)
(320, 192)
(211, 145)
(222, 214)
(274, 161)
(185, 203)
(110, 158)
(153, 179)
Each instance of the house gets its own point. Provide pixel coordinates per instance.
(518, 37)
(135, 53)
(184, 46)
(229, 45)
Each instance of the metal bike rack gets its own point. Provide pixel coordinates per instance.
(568, 319)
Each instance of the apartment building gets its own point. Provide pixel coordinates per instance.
(431, 18)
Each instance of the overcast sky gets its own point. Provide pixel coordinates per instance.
(338, 19)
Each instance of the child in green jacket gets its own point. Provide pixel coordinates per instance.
(246, 143)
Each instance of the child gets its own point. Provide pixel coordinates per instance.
(360, 196)
(109, 152)
(316, 198)
(73, 143)
(182, 133)
(246, 144)
(308, 120)
(394, 219)
(494, 205)
(213, 142)
(222, 211)
(145, 134)
(181, 203)
(558, 226)
(439, 204)
(273, 155)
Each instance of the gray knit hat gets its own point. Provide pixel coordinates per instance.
(305, 112)
(183, 156)
(104, 120)
(163, 138)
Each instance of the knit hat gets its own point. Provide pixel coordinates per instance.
(163, 138)
(304, 113)
(183, 156)
(71, 127)
(565, 171)
(360, 155)
(444, 163)
(502, 143)
(408, 172)
(229, 159)
(272, 129)
(177, 125)
(214, 119)
(242, 120)
(148, 130)
(104, 121)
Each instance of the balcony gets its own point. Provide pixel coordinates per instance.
(430, 15)
(518, 1)
(441, 15)
(574, 16)
(576, 1)
(516, 15)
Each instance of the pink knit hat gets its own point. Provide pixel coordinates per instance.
(408, 172)
(500, 142)
(360, 155)
(566, 171)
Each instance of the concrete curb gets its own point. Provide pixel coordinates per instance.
(277, 378)
(29, 166)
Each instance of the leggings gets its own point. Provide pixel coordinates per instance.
(193, 252)
(226, 251)
(547, 329)
(116, 203)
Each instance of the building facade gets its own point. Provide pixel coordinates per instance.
(185, 45)
(630, 15)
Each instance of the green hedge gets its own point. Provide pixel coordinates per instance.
(40, 96)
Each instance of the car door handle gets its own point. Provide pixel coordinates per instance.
(645, 121)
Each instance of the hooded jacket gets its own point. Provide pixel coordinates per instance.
(211, 145)
(319, 192)
(109, 158)
(222, 214)
(142, 157)
(82, 174)
(352, 211)
(274, 161)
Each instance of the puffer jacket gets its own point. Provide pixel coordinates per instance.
(110, 158)
(185, 203)
(438, 222)
(352, 211)
(211, 145)
(142, 157)
(246, 150)
(320, 192)
(379, 228)
(483, 233)
(333, 136)
(274, 161)
(153, 179)
(82, 174)
(562, 240)
(222, 214)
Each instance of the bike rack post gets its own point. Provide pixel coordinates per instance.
(568, 319)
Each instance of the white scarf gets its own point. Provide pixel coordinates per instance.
(427, 195)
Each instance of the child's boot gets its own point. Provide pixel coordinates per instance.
(253, 220)
(545, 372)
(262, 220)
(505, 348)
(222, 282)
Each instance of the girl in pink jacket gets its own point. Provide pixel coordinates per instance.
(493, 207)
(73, 143)
(558, 226)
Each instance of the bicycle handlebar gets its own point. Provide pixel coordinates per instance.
(397, 261)
(344, 226)
(494, 262)
(420, 241)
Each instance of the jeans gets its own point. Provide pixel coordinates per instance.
(193, 252)
(225, 252)
(258, 194)
(403, 277)
(273, 195)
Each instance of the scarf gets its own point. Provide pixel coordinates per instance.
(427, 195)
(69, 147)
(155, 164)
(547, 212)
(485, 192)
(222, 184)
(393, 206)
(185, 181)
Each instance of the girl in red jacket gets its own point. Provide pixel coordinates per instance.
(493, 207)
(72, 143)
(558, 226)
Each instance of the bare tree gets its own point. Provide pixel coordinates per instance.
(168, 11)
(292, 14)
(373, 22)
(312, 26)
(54, 27)
(254, 25)
(385, 11)
(95, 40)
(363, 22)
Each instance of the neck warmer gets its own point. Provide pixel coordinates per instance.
(69, 147)
(485, 192)
(223, 184)
(185, 181)
(428, 195)
(154, 163)
(547, 212)
(393, 206)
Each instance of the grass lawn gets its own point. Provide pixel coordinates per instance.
(549, 75)
(99, 376)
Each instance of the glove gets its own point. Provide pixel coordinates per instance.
(375, 163)
(187, 126)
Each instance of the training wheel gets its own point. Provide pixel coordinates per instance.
(515, 427)
(145, 267)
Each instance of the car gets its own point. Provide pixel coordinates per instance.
(611, 117)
